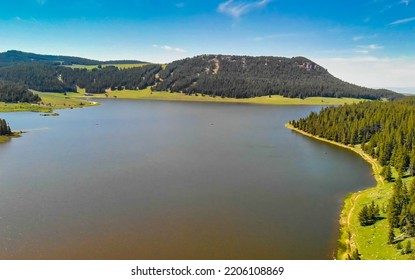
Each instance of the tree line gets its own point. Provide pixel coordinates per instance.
(50, 78)
(13, 93)
(385, 130)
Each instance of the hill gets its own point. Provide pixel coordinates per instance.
(214, 75)
(14, 57)
(245, 76)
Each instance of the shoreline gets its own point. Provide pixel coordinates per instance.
(56, 101)
(7, 138)
(275, 100)
(346, 242)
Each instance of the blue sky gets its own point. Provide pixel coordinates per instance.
(367, 42)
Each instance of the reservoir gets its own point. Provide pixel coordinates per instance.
(172, 180)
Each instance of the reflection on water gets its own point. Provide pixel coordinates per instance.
(171, 180)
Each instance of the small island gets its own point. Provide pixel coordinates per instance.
(5, 132)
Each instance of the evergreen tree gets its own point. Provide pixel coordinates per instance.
(388, 173)
(408, 247)
(4, 128)
(355, 255)
(391, 235)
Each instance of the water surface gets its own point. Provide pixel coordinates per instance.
(171, 180)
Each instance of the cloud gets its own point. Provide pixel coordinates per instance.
(406, 2)
(41, 2)
(364, 37)
(180, 5)
(373, 47)
(275, 36)
(365, 49)
(400, 21)
(169, 48)
(239, 8)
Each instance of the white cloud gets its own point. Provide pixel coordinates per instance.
(400, 21)
(169, 48)
(371, 71)
(364, 37)
(406, 2)
(365, 49)
(358, 38)
(239, 8)
(275, 36)
(373, 47)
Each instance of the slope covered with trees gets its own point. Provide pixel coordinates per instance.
(16, 57)
(244, 76)
(50, 78)
(386, 131)
(13, 93)
(214, 75)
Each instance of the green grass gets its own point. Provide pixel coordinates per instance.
(23, 107)
(50, 101)
(371, 241)
(121, 66)
(147, 94)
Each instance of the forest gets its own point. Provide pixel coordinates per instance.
(17, 57)
(214, 75)
(386, 131)
(13, 93)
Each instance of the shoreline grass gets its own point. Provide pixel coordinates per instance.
(53, 101)
(118, 65)
(370, 241)
(6, 138)
(50, 101)
(147, 94)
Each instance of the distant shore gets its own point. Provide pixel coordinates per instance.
(148, 94)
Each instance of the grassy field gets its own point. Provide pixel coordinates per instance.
(370, 241)
(266, 100)
(121, 66)
(50, 101)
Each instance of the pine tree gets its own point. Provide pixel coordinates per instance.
(391, 235)
(355, 255)
(388, 173)
(408, 247)
(364, 216)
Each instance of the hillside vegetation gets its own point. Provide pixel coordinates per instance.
(213, 75)
(244, 76)
(386, 132)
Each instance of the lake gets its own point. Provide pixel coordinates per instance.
(172, 180)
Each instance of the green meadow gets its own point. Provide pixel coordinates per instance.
(148, 94)
(121, 66)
